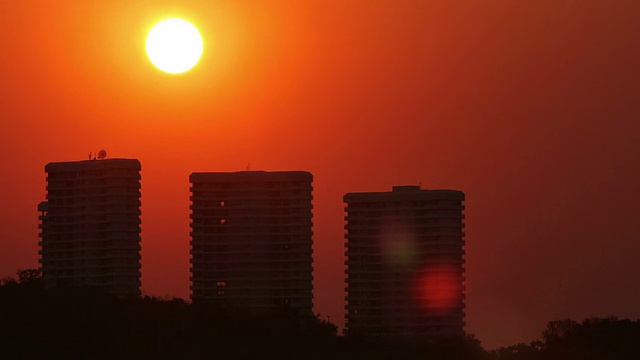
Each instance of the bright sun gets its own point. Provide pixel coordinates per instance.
(174, 46)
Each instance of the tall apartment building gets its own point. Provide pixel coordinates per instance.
(405, 265)
(90, 225)
(251, 239)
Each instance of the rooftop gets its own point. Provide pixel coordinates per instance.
(92, 165)
(251, 176)
(405, 192)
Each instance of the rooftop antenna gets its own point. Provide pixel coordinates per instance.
(102, 154)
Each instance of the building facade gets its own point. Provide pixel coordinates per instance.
(405, 262)
(251, 239)
(90, 225)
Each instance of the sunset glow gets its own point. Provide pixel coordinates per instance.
(174, 46)
(529, 107)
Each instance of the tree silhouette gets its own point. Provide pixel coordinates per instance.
(84, 322)
(592, 339)
(30, 277)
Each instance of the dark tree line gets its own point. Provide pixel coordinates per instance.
(591, 339)
(84, 323)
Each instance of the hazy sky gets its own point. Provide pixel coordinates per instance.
(529, 107)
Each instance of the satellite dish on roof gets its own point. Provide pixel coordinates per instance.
(102, 154)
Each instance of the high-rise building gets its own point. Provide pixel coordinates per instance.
(90, 225)
(251, 239)
(405, 263)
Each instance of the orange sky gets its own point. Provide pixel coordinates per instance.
(530, 107)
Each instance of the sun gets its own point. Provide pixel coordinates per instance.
(174, 46)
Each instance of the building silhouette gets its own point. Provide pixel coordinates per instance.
(251, 239)
(90, 225)
(405, 265)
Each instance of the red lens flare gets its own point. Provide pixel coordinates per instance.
(439, 289)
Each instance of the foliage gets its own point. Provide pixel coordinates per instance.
(8, 281)
(82, 322)
(592, 339)
(30, 277)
